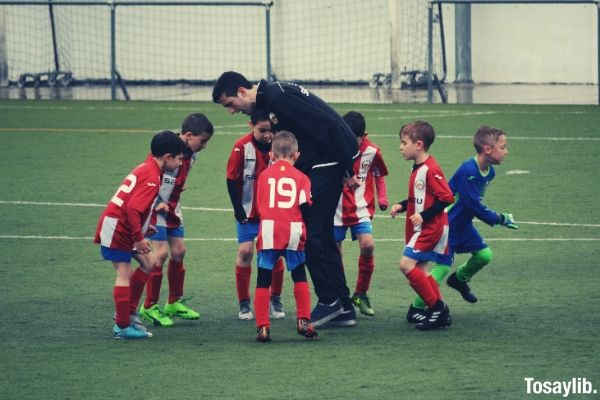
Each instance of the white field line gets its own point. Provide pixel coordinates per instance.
(62, 237)
(212, 209)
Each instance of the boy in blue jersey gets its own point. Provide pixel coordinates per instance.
(468, 185)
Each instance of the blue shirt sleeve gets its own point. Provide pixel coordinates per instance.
(468, 191)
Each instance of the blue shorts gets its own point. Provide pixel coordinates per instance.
(163, 233)
(339, 232)
(247, 232)
(465, 239)
(425, 256)
(267, 258)
(115, 255)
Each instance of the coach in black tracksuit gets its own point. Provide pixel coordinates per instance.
(327, 148)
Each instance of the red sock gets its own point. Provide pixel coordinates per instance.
(435, 286)
(136, 288)
(419, 282)
(176, 273)
(277, 278)
(261, 307)
(121, 298)
(366, 265)
(242, 282)
(302, 296)
(153, 287)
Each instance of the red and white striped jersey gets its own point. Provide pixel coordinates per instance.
(282, 189)
(358, 205)
(427, 183)
(245, 164)
(126, 218)
(172, 185)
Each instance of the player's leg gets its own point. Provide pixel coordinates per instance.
(416, 311)
(243, 272)
(366, 264)
(265, 261)
(124, 327)
(481, 255)
(295, 260)
(176, 306)
(150, 311)
(413, 265)
(276, 306)
(322, 258)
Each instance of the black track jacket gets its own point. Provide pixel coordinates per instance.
(323, 137)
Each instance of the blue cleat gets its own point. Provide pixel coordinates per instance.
(323, 313)
(130, 332)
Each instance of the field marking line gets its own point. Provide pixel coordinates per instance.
(212, 209)
(243, 132)
(63, 237)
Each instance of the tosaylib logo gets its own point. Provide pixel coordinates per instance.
(564, 388)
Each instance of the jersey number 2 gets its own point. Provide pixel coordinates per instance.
(286, 188)
(125, 189)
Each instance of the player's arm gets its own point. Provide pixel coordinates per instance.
(140, 202)
(379, 170)
(468, 193)
(304, 199)
(441, 192)
(234, 177)
(398, 208)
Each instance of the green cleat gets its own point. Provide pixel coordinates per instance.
(361, 300)
(155, 315)
(179, 309)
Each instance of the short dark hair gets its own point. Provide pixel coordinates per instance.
(356, 122)
(197, 124)
(419, 130)
(258, 116)
(228, 83)
(284, 144)
(486, 135)
(166, 142)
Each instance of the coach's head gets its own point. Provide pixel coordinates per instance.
(234, 92)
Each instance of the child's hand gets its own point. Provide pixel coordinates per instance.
(352, 182)
(152, 230)
(162, 208)
(416, 219)
(396, 209)
(507, 220)
(383, 204)
(143, 246)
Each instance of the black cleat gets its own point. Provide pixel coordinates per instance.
(415, 315)
(437, 317)
(462, 287)
(263, 334)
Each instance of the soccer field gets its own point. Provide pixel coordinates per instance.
(538, 314)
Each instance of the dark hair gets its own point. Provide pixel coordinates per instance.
(356, 122)
(419, 130)
(197, 124)
(258, 116)
(486, 135)
(284, 144)
(228, 83)
(166, 142)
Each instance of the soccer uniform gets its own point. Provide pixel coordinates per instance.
(429, 240)
(127, 216)
(173, 182)
(282, 189)
(356, 207)
(245, 163)
(468, 185)
(170, 224)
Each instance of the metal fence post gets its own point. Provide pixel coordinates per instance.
(113, 52)
(430, 53)
(268, 38)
